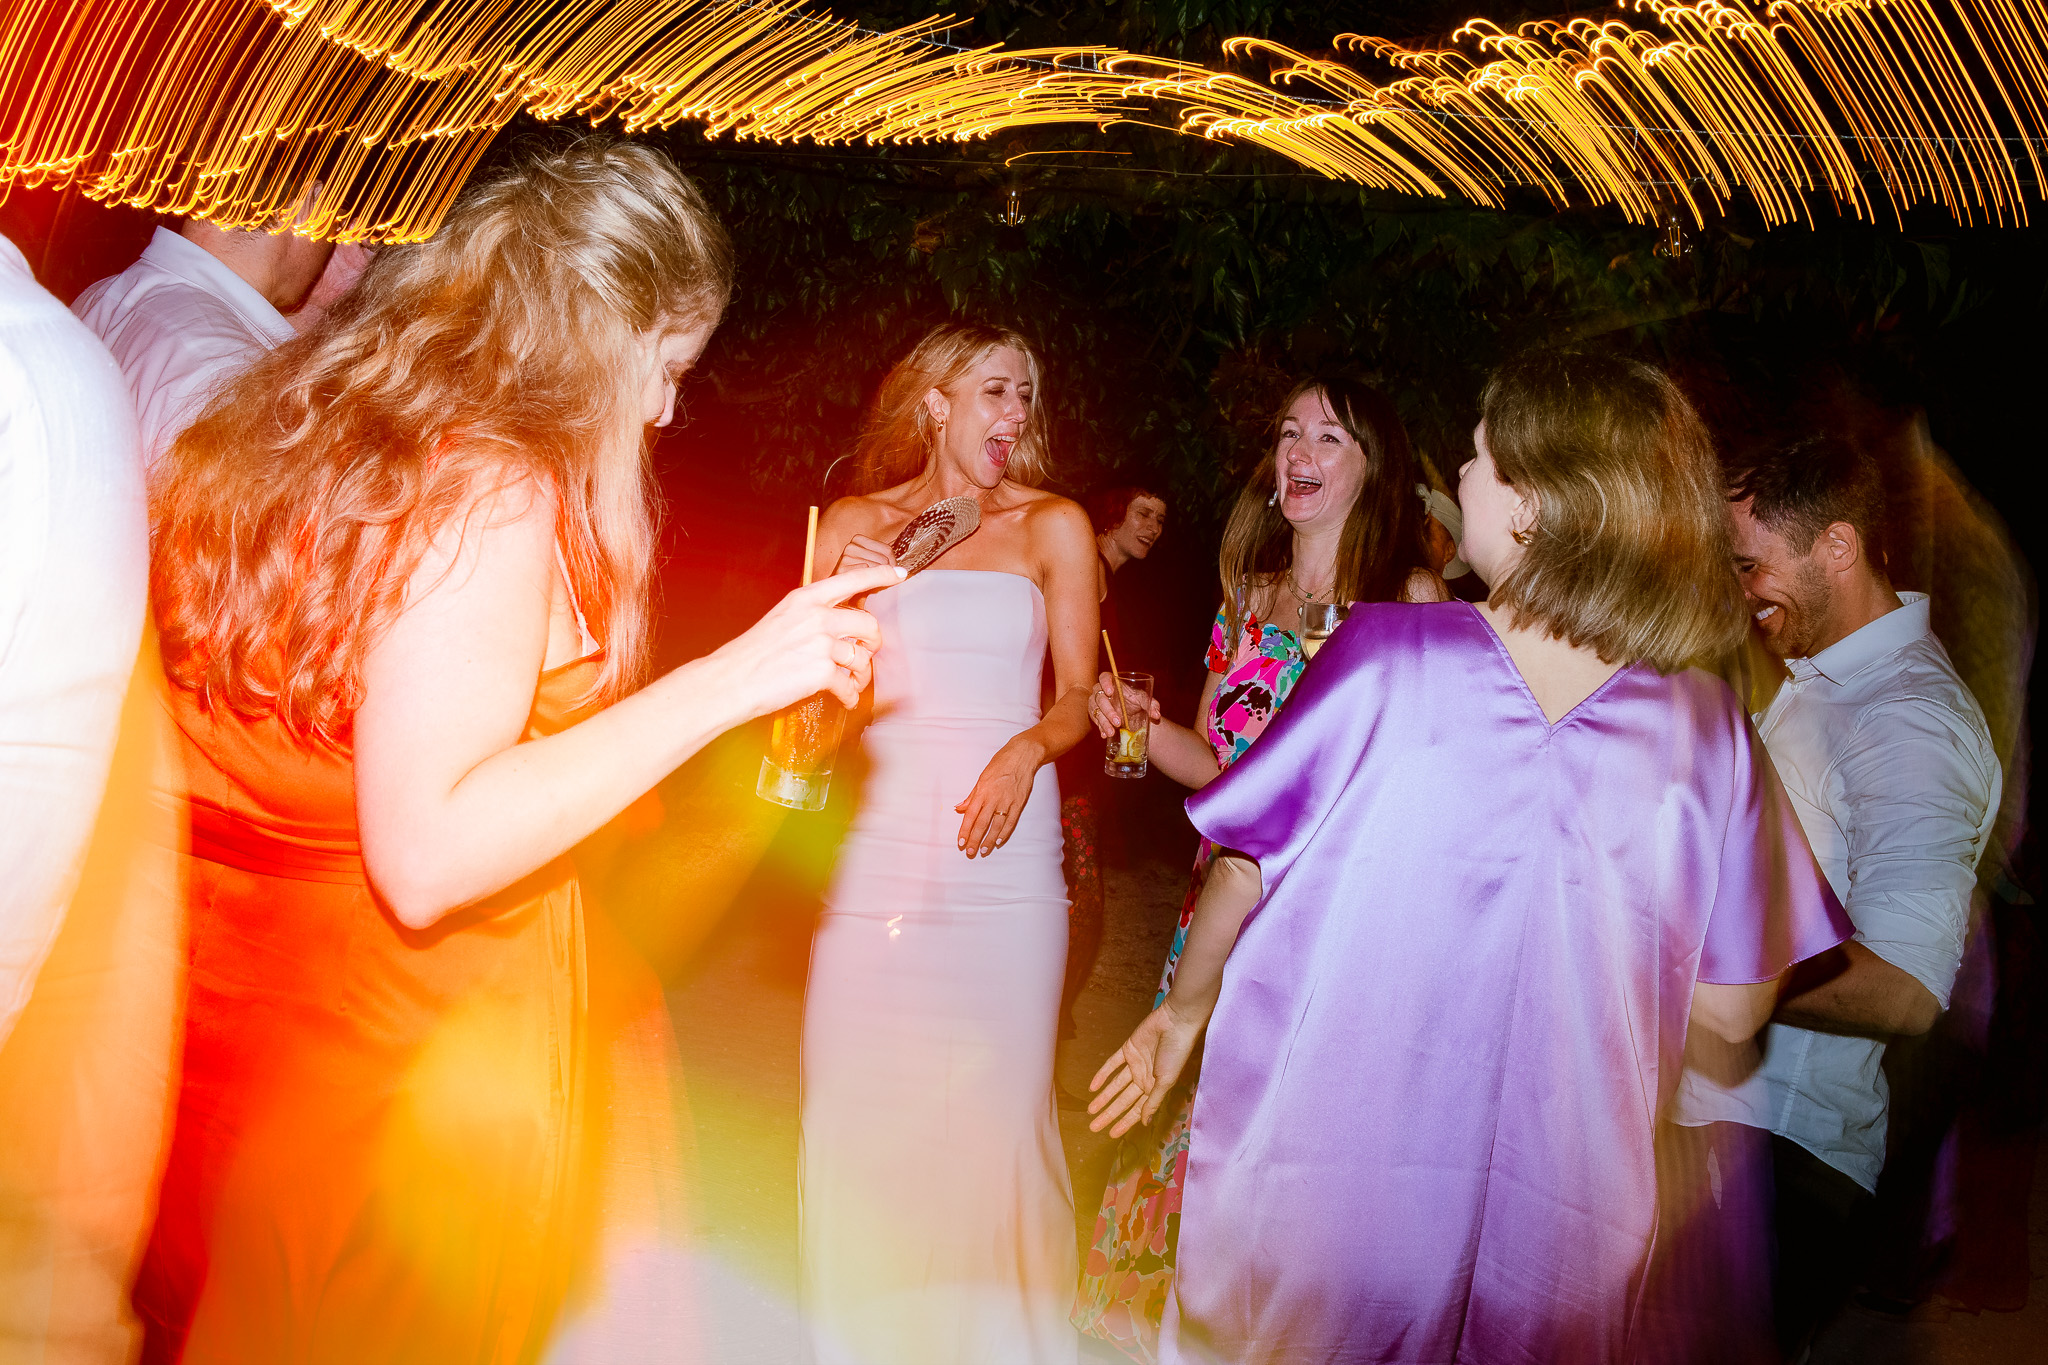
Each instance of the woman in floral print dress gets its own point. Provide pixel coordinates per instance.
(1330, 515)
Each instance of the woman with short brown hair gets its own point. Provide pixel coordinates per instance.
(1437, 1055)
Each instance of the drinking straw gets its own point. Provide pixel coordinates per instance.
(1123, 711)
(810, 547)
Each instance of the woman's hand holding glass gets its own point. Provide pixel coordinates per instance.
(1107, 712)
(809, 643)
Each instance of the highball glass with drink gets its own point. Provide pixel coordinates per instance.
(1319, 621)
(1127, 753)
(798, 769)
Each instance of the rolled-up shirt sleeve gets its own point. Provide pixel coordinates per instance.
(1913, 791)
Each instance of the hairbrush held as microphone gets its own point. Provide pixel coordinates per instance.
(934, 531)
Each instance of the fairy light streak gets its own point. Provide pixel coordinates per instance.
(2026, 58)
(1793, 101)
(234, 109)
(237, 106)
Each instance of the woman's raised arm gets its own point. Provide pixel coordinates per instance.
(451, 805)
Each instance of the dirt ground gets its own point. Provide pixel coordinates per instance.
(738, 1014)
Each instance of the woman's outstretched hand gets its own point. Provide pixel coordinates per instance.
(1135, 1080)
(992, 809)
(809, 643)
(1106, 713)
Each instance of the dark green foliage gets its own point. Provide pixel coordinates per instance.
(1176, 286)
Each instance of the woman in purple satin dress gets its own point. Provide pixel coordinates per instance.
(1327, 516)
(1436, 1058)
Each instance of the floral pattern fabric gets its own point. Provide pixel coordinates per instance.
(1083, 872)
(1129, 1269)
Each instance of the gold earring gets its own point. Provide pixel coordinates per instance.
(1524, 537)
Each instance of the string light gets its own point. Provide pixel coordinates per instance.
(1792, 102)
(232, 109)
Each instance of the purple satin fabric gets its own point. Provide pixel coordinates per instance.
(1424, 1128)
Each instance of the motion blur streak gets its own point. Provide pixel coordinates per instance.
(231, 109)
(1797, 100)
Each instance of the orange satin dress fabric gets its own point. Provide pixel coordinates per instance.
(390, 1145)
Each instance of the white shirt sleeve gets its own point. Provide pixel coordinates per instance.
(73, 562)
(1913, 798)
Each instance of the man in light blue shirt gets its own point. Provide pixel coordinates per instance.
(1891, 770)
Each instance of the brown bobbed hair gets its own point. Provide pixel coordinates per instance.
(1108, 507)
(1630, 552)
(1382, 543)
(896, 440)
(289, 518)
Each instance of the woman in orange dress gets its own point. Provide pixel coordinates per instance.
(399, 569)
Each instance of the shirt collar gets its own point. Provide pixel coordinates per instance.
(12, 261)
(199, 268)
(1859, 649)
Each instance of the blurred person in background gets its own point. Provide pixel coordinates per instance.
(426, 1106)
(1128, 522)
(1329, 514)
(1433, 1067)
(1894, 778)
(202, 303)
(78, 1145)
(1441, 530)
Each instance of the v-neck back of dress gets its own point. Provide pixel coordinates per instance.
(1469, 979)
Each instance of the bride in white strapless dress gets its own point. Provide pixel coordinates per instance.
(937, 1219)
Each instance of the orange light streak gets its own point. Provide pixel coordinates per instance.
(232, 109)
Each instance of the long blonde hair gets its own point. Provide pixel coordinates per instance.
(288, 520)
(896, 439)
(1382, 541)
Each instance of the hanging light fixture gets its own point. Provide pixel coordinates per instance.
(1011, 214)
(1672, 242)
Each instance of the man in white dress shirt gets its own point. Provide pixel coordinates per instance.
(1890, 767)
(73, 560)
(73, 568)
(200, 304)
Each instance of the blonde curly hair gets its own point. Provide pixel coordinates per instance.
(288, 520)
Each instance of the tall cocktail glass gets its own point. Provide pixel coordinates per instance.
(1128, 753)
(805, 744)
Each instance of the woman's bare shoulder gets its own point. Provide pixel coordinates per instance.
(1058, 522)
(860, 514)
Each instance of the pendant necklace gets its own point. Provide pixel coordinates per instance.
(1306, 597)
